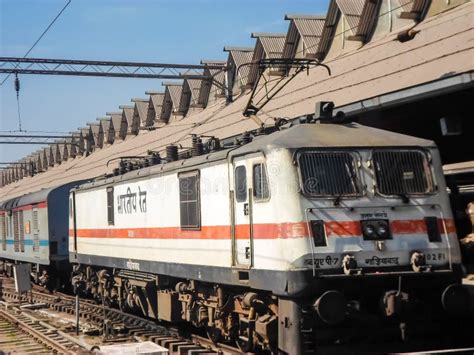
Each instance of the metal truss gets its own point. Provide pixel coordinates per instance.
(29, 139)
(95, 68)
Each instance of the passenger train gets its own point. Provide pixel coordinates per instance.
(34, 229)
(317, 233)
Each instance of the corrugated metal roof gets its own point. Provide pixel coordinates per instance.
(240, 56)
(64, 152)
(167, 107)
(108, 129)
(195, 90)
(133, 124)
(413, 5)
(352, 10)
(155, 106)
(307, 28)
(360, 15)
(120, 124)
(239, 49)
(85, 131)
(105, 123)
(157, 99)
(97, 135)
(141, 111)
(219, 75)
(272, 43)
(381, 66)
(174, 90)
(268, 45)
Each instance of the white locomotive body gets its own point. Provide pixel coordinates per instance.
(305, 217)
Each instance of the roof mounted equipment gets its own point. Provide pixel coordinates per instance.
(290, 67)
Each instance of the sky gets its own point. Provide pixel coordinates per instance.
(162, 31)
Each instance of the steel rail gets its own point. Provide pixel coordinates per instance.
(35, 333)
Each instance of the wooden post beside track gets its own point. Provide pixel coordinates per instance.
(77, 314)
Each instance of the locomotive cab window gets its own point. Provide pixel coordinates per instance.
(402, 172)
(189, 204)
(241, 183)
(260, 183)
(327, 174)
(110, 206)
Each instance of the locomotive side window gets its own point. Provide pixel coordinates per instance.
(260, 183)
(189, 194)
(241, 183)
(3, 225)
(110, 206)
(328, 174)
(402, 172)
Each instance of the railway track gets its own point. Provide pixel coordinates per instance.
(23, 333)
(106, 326)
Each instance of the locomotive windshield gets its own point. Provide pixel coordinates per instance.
(402, 172)
(328, 174)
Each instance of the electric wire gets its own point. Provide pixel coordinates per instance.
(40, 37)
(246, 76)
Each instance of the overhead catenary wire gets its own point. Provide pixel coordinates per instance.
(332, 37)
(41, 36)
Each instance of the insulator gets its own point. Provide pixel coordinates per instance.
(156, 159)
(214, 144)
(17, 84)
(246, 138)
(171, 153)
(198, 147)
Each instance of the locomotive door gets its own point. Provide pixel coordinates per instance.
(241, 187)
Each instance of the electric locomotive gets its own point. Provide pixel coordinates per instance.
(317, 233)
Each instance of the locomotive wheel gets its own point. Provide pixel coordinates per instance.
(245, 344)
(214, 334)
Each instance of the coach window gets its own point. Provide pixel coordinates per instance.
(110, 206)
(189, 204)
(260, 183)
(241, 184)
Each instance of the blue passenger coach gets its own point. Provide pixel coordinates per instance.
(34, 229)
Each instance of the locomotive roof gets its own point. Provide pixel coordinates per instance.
(332, 135)
(298, 136)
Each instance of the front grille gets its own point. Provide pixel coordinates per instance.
(328, 173)
(402, 172)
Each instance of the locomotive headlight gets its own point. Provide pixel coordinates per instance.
(375, 229)
(382, 230)
(368, 230)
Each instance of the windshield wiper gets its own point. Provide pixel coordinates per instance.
(337, 200)
(404, 197)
